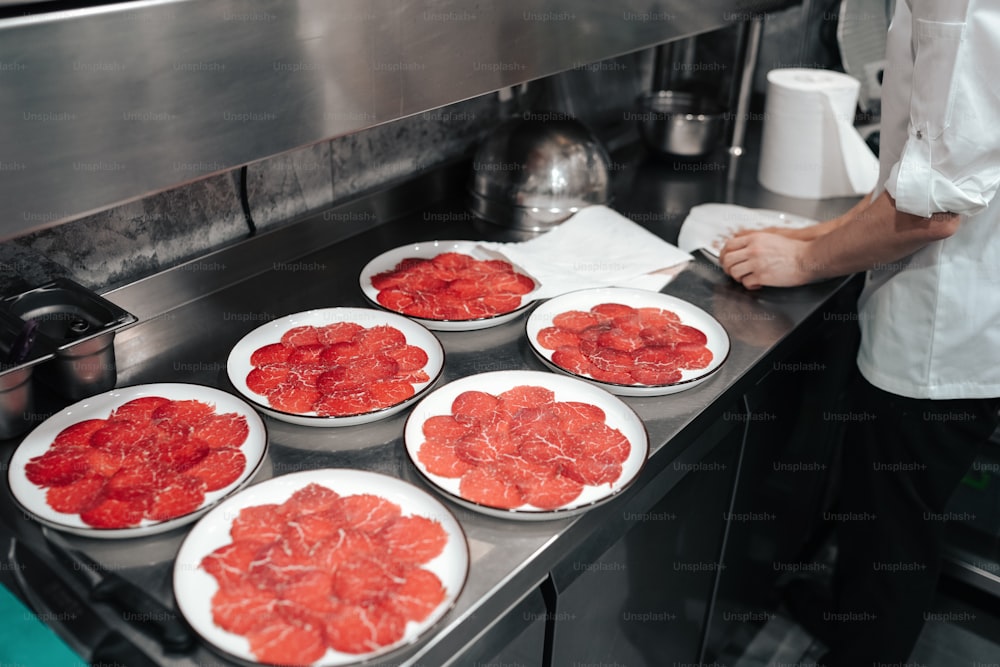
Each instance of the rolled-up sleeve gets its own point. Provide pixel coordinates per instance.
(951, 159)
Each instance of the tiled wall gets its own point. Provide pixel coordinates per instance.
(136, 239)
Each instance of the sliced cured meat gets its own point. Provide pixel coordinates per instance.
(306, 354)
(182, 495)
(481, 485)
(77, 496)
(656, 376)
(226, 430)
(104, 463)
(549, 447)
(610, 376)
(445, 427)
(368, 512)
(344, 546)
(344, 403)
(524, 396)
(285, 643)
(303, 335)
(573, 360)
(577, 415)
(265, 379)
(181, 453)
(657, 317)
(360, 629)
(118, 437)
(481, 447)
(78, 434)
(574, 321)
(275, 353)
(438, 455)
(694, 356)
(620, 340)
(113, 513)
(219, 468)
(414, 539)
(135, 482)
(592, 472)
(604, 444)
(387, 393)
(341, 353)
(379, 337)
(689, 334)
(57, 467)
(609, 311)
(275, 567)
(185, 413)
(302, 532)
(418, 595)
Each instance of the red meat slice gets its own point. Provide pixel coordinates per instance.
(608, 311)
(498, 304)
(367, 512)
(306, 355)
(454, 261)
(512, 283)
(549, 447)
(338, 332)
(259, 523)
(180, 454)
(243, 608)
(118, 437)
(445, 427)
(344, 546)
(609, 359)
(689, 334)
(657, 317)
(113, 513)
(474, 407)
(228, 429)
(275, 353)
(617, 339)
(694, 356)
(77, 496)
(135, 482)
(284, 643)
(183, 413)
(139, 410)
(293, 399)
(612, 377)
(521, 397)
(397, 299)
(265, 379)
(437, 454)
(407, 357)
(58, 467)
(308, 600)
(552, 338)
(104, 463)
(230, 562)
(629, 324)
(414, 539)
(387, 393)
(344, 403)
(309, 499)
(554, 492)
(219, 468)
(418, 596)
(468, 288)
(574, 321)
(480, 447)
(417, 377)
(302, 533)
(576, 415)
(604, 444)
(362, 629)
(572, 360)
(379, 337)
(78, 434)
(482, 485)
(302, 335)
(343, 353)
(656, 377)
(181, 496)
(592, 472)
(362, 581)
(275, 567)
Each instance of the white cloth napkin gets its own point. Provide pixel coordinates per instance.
(710, 225)
(597, 247)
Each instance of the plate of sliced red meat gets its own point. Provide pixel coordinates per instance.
(526, 445)
(138, 460)
(324, 567)
(335, 366)
(448, 285)
(631, 342)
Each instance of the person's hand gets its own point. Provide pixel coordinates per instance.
(758, 259)
(800, 234)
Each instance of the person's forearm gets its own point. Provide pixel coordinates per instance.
(823, 228)
(872, 236)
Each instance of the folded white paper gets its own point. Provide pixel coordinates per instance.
(597, 247)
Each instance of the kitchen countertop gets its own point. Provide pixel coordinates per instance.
(191, 317)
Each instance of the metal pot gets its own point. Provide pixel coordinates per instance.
(533, 173)
(680, 123)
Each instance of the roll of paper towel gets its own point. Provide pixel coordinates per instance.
(809, 147)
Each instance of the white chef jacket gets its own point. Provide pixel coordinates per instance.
(930, 323)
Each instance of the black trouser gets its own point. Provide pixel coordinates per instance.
(902, 459)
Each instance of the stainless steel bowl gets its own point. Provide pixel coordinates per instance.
(534, 173)
(680, 123)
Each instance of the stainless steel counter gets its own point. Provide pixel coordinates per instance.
(191, 316)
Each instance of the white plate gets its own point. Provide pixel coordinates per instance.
(718, 339)
(709, 226)
(194, 587)
(32, 497)
(427, 250)
(238, 365)
(617, 415)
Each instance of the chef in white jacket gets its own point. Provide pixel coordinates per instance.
(929, 360)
